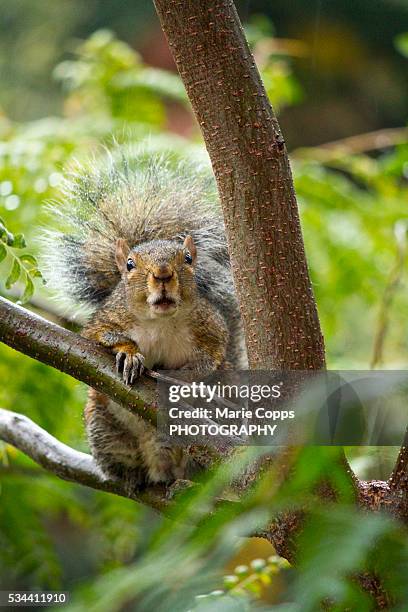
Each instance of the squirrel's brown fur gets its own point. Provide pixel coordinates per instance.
(148, 248)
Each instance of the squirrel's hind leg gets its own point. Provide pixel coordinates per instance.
(114, 448)
(127, 448)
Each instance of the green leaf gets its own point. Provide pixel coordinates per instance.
(5, 235)
(3, 251)
(14, 274)
(35, 273)
(28, 291)
(19, 241)
(27, 258)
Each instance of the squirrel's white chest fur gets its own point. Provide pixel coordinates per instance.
(164, 342)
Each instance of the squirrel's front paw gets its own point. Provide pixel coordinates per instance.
(130, 365)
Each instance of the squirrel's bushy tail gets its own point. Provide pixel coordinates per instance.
(135, 200)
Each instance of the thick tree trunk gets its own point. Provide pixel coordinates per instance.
(250, 162)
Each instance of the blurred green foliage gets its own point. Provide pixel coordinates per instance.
(401, 43)
(109, 79)
(181, 563)
(24, 266)
(351, 208)
(111, 552)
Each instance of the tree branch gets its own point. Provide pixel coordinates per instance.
(70, 353)
(67, 463)
(390, 290)
(354, 145)
(250, 163)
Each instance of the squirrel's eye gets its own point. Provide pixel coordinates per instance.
(187, 258)
(130, 264)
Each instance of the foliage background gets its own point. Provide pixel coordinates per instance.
(76, 76)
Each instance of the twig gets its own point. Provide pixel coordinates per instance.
(354, 145)
(390, 290)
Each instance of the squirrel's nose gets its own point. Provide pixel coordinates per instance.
(163, 273)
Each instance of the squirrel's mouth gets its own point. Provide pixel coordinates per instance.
(164, 303)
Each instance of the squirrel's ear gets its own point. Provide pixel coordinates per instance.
(191, 247)
(122, 254)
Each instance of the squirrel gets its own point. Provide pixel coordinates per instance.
(144, 247)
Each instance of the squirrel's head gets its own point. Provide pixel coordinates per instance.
(158, 275)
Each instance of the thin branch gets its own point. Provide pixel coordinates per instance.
(391, 288)
(75, 466)
(67, 463)
(354, 145)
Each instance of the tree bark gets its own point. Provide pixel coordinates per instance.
(251, 166)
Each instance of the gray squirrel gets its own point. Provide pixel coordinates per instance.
(142, 245)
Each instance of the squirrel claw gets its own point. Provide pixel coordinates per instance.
(130, 366)
(136, 369)
(120, 358)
